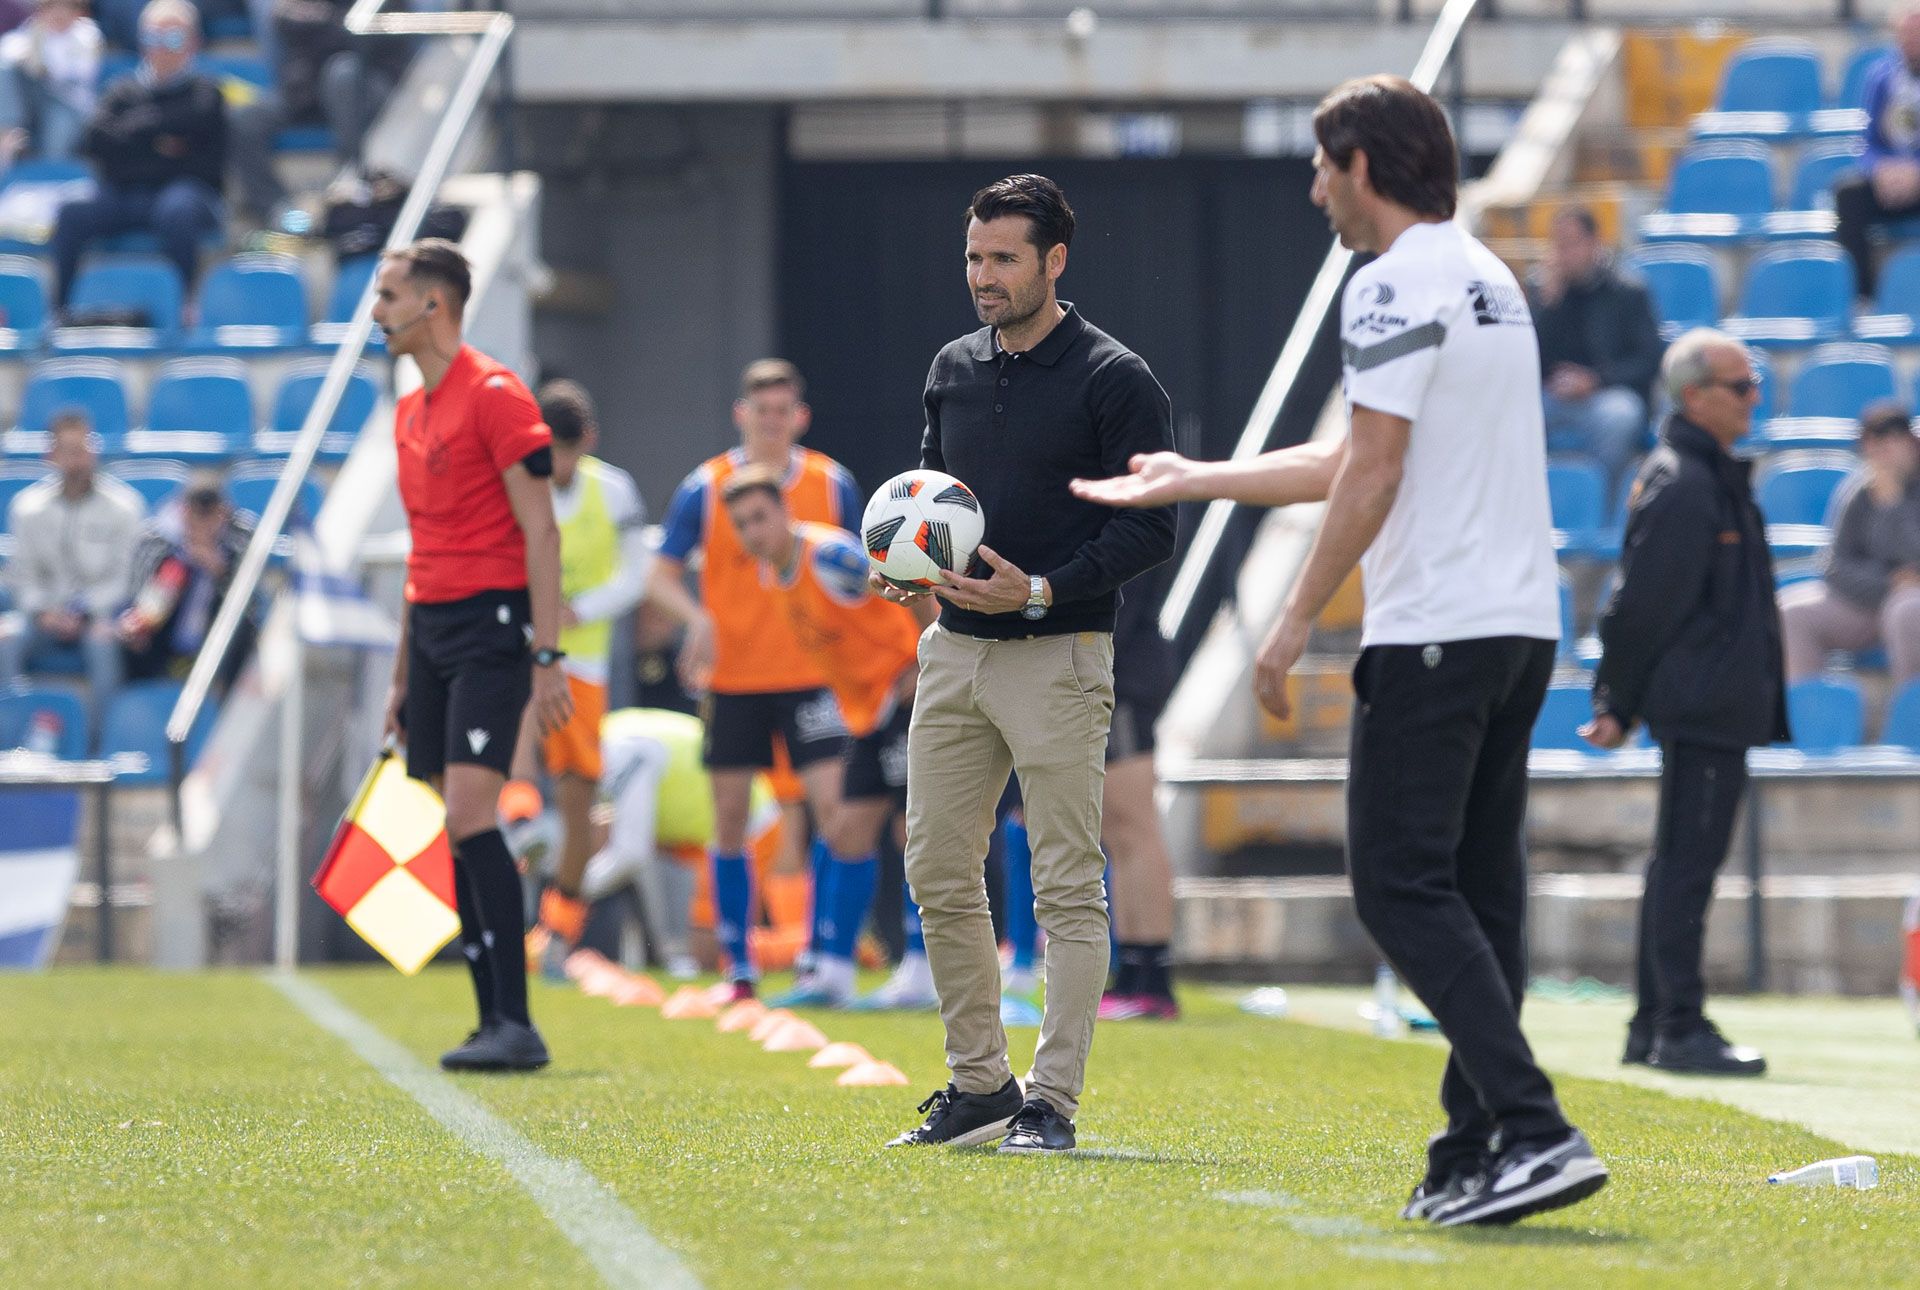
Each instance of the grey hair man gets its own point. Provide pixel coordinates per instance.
(1691, 645)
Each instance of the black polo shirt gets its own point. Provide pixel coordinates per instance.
(1015, 428)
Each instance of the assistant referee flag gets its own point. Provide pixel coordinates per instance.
(389, 871)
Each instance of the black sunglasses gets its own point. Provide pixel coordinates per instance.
(1741, 388)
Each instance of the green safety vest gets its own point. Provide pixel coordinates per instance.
(589, 557)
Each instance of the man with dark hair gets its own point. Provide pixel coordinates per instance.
(1599, 347)
(482, 629)
(603, 573)
(182, 571)
(159, 141)
(1691, 644)
(767, 701)
(1439, 492)
(1018, 673)
(1886, 187)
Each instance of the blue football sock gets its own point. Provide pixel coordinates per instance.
(1023, 930)
(910, 918)
(851, 891)
(733, 901)
(822, 862)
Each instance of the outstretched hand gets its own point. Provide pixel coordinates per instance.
(1153, 479)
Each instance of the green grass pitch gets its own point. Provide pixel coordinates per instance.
(200, 1131)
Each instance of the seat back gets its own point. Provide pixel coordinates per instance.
(1853, 81)
(1801, 280)
(205, 395)
(1683, 283)
(254, 291)
(1840, 380)
(1820, 168)
(302, 386)
(1577, 493)
(1565, 709)
(61, 709)
(144, 282)
(350, 281)
(1772, 76)
(154, 480)
(136, 722)
(1826, 714)
(1798, 487)
(90, 384)
(1734, 177)
(251, 485)
(23, 294)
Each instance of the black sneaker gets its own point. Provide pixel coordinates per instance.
(1038, 1128)
(1639, 1050)
(1432, 1192)
(1527, 1178)
(499, 1046)
(1702, 1050)
(956, 1119)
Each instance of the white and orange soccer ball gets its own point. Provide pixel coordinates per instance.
(921, 526)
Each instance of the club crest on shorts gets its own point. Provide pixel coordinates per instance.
(1430, 656)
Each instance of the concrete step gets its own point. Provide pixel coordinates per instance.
(1823, 934)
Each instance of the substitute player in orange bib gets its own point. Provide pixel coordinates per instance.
(763, 690)
(482, 627)
(867, 649)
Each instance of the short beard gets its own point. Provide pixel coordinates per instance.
(1014, 302)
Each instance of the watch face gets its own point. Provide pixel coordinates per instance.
(1034, 612)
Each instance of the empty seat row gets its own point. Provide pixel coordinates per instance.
(135, 721)
(1727, 190)
(248, 303)
(1773, 89)
(197, 408)
(1798, 293)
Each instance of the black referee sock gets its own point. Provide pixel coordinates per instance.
(503, 919)
(1144, 969)
(473, 946)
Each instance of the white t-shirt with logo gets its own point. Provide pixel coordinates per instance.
(1437, 331)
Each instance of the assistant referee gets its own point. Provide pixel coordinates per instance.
(1439, 492)
(483, 615)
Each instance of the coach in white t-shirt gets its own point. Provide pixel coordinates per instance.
(1439, 492)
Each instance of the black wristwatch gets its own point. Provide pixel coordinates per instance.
(548, 657)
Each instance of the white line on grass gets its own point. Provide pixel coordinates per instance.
(589, 1215)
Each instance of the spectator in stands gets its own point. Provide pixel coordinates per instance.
(1600, 346)
(1871, 593)
(120, 19)
(1691, 645)
(73, 538)
(159, 141)
(324, 74)
(183, 569)
(49, 69)
(1887, 185)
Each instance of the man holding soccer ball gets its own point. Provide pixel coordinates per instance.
(1017, 675)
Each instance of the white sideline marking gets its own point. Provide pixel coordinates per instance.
(590, 1216)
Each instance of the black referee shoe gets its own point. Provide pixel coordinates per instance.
(499, 1046)
(1036, 1129)
(956, 1119)
(1526, 1178)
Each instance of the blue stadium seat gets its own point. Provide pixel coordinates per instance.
(1567, 627)
(1800, 293)
(155, 481)
(1684, 284)
(295, 399)
(1565, 710)
(147, 283)
(1853, 81)
(23, 302)
(44, 170)
(89, 384)
(1895, 319)
(19, 707)
(199, 409)
(1719, 192)
(1826, 714)
(253, 301)
(1840, 380)
(250, 486)
(1577, 493)
(1902, 728)
(136, 722)
(1798, 487)
(1821, 166)
(350, 280)
(1771, 90)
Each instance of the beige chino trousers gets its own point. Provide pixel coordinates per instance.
(1041, 708)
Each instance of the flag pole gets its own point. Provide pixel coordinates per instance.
(286, 898)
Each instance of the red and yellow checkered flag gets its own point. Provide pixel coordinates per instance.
(389, 871)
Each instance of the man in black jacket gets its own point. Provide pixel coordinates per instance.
(1692, 646)
(159, 142)
(1599, 347)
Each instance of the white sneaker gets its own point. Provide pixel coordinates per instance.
(909, 989)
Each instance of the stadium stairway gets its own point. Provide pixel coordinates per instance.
(1260, 802)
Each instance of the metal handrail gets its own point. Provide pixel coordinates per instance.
(1322, 296)
(364, 18)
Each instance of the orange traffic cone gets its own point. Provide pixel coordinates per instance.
(834, 1055)
(871, 1075)
(795, 1036)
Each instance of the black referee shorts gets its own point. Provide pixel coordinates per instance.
(877, 762)
(1134, 717)
(741, 729)
(469, 673)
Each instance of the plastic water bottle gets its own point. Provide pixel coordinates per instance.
(1387, 1023)
(1860, 1172)
(43, 733)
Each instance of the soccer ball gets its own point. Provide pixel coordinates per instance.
(921, 526)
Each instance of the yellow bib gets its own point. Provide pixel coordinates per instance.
(589, 556)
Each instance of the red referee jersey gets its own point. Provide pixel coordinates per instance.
(453, 446)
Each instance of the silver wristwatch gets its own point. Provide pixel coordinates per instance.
(1036, 606)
